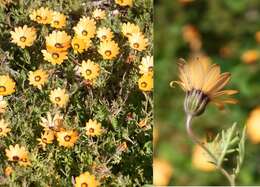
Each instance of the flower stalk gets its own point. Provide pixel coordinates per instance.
(195, 139)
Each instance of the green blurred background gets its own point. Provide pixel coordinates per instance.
(226, 31)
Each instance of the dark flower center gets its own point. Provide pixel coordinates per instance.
(1, 129)
(37, 78)
(104, 37)
(15, 158)
(38, 18)
(2, 88)
(55, 55)
(22, 38)
(44, 140)
(150, 69)
(108, 52)
(84, 185)
(58, 45)
(76, 46)
(57, 99)
(136, 45)
(67, 138)
(91, 130)
(88, 72)
(143, 84)
(56, 22)
(84, 33)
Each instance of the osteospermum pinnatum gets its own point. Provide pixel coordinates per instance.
(23, 36)
(203, 83)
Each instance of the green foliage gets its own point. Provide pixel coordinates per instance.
(220, 23)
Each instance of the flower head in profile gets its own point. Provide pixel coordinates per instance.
(42, 15)
(108, 49)
(67, 138)
(99, 14)
(86, 180)
(93, 128)
(105, 33)
(58, 41)
(203, 83)
(55, 57)
(89, 69)
(23, 36)
(59, 97)
(4, 130)
(145, 82)
(138, 41)
(128, 29)
(86, 28)
(146, 65)
(58, 20)
(124, 2)
(52, 123)
(7, 85)
(38, 78)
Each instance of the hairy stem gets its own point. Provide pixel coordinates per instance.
(196, 140)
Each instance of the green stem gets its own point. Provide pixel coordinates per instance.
(196, 140)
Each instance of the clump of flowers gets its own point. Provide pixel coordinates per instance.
(68, 82)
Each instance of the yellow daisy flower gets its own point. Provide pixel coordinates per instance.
(46, 138)
(58, 41)
(146, 65)
(108, 49)
(86, 28)
(38, 78)
(138, 41)
(89, 69)
(205, 82)
(8, 171)
(201, 160)
(55, 57)
(55, 123)
(59, 97)
(23, 36)
(105, 33)
(250, 56)
(253, 125)
(93, 128)
(99, 14)
(124, 2)
(80, 44)
(16, 153)
(7, 85)
(3, 105)
(86, 180)
(58, 20)
(67, 138)
(129, 28)
(41, 15)
(4, 130)
(145, 82)
(162, 172)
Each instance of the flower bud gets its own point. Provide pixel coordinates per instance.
(195, 102)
